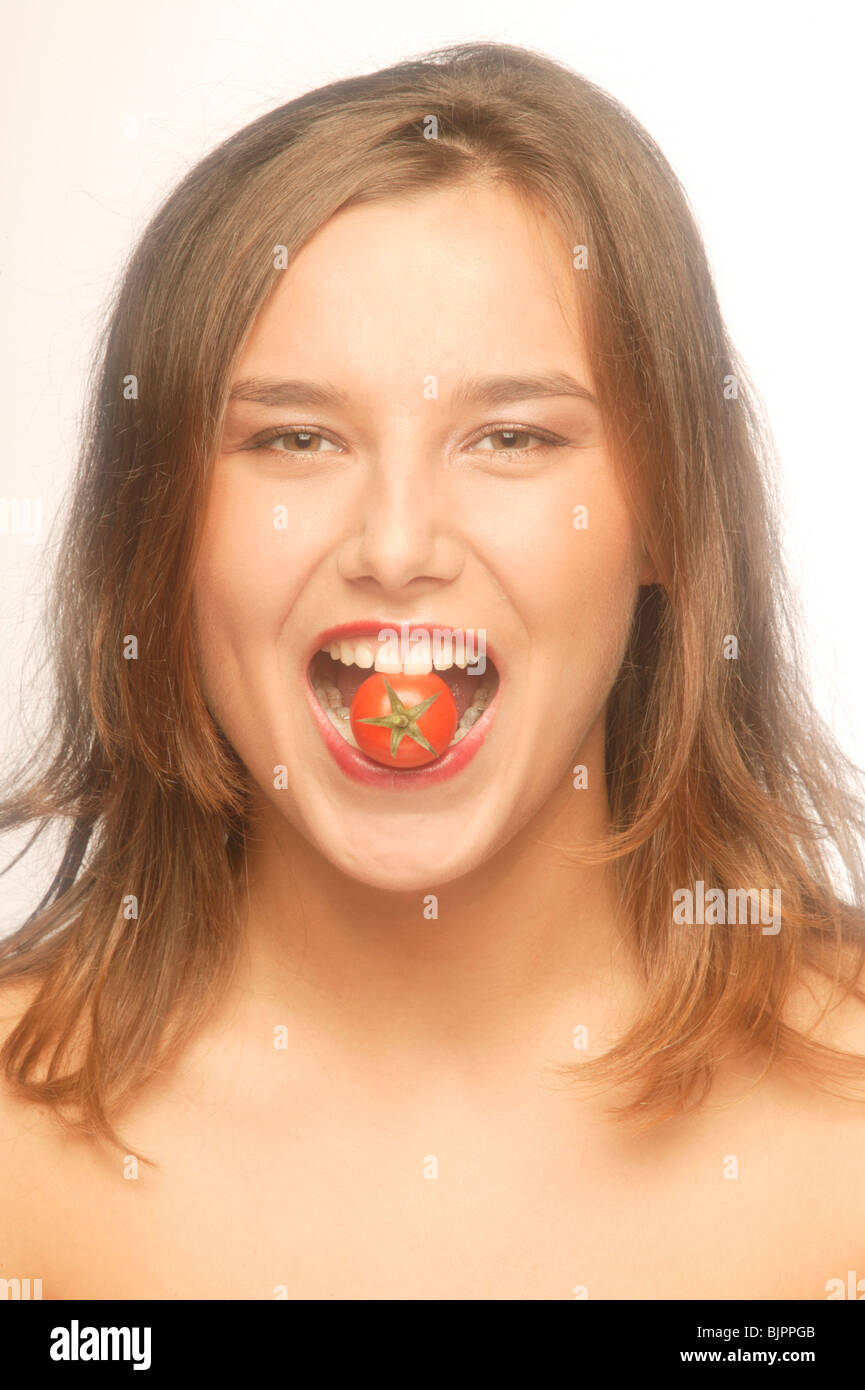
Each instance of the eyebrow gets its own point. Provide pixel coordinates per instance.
(487, 390)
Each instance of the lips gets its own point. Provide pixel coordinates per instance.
(476, 691)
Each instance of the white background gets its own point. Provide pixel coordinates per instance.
(756, 105)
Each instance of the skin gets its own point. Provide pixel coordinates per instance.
(404, 512)
(407, 521)
(409, 1039)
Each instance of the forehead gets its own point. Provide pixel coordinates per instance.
(425, 284)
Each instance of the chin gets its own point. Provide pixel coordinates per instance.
(394, 863)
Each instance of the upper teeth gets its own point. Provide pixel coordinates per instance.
(368, 651)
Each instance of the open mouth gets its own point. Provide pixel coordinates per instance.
(337, 673)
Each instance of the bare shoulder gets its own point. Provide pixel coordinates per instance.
(28, 1148)
(15, 999)
(824, 1118)
(828, 1012)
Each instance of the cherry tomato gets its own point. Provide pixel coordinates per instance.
(403, 721)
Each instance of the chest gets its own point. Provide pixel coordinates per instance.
(444, 1204)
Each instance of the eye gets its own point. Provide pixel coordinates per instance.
(307, 438)
(512, 432)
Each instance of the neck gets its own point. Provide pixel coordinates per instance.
(530, 943)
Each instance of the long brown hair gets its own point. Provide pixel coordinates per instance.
(718, 770)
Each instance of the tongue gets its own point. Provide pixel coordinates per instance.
(348, 680)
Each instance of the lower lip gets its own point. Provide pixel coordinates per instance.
(373, 774)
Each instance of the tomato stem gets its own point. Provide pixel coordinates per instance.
(402, 720)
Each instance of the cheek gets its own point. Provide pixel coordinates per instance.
(256, 553)
(240, 596)
(599, 593)
(598, 573)
(570, 556)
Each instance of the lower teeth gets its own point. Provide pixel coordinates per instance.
(331, 702)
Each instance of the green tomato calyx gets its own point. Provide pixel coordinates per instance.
(402, 720)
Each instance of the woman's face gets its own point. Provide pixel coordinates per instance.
(403, 502)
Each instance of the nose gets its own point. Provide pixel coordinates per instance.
(403, 538)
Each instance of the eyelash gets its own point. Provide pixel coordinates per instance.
(280, 432)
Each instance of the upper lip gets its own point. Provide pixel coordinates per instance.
(370, 627)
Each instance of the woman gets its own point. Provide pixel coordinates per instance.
(541, 987)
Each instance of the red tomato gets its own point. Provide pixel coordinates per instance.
(403, 721)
